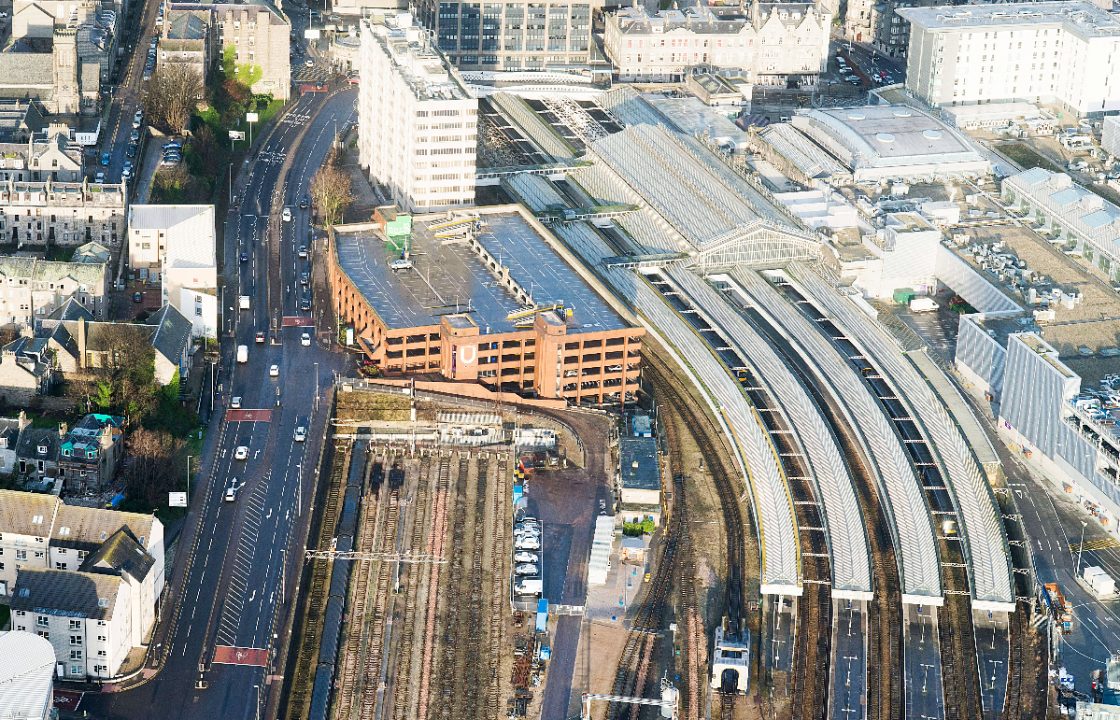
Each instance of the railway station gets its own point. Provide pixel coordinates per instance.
(483, 297)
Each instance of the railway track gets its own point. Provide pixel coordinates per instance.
(435, 547)
(311, 628)
(742, 559)
(377, 606)
(500, 564)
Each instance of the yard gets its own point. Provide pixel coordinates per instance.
(1026, 157)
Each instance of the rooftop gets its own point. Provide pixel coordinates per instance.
(1080, 18)
(416, 60)
(887, 135)
(26, 675)
(702, 21)
(638, 462)
(1082, 209)
(451, 278)
(66, 593)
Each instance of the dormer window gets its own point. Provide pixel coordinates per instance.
(37, 520)
(63, 531)
(66, 452)
(42, 449)
(102, 602)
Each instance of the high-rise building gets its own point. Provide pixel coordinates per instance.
(512, 34)
(417, 120)
(1060, 53)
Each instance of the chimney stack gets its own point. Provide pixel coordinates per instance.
(82, 343)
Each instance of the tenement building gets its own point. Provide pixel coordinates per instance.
(58, 213)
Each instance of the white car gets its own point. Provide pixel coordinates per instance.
(274, 371)
(302, 252)
(525, 557)
(527, 543)
(401, 264)
(231, 490)
(300, 434)
(241, 453)
(305, 340)
(287, 214)
(527, 569)
(236, 402)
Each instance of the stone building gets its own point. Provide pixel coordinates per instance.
(49, 155)
(58, 213)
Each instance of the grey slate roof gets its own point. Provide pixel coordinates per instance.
(83, 527)
(185, 26)
(31, 438)
(118, 555)
(71, 310)
(65, 592)
(92, 252)
(173, 333)
(25, 69)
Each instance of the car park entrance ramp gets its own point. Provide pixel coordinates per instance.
(984, 544)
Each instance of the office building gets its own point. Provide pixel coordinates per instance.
(512, 34)
(1065, 54)
(778, 44)
(417, 121)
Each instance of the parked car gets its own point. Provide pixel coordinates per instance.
(235, 403)
(525, 557)
(527, 543)
(302, 252)
(137, 297)
(526, 569)
(287, 214)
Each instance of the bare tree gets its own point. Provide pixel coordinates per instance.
(331, 190)
(171, 96)
(124, 365)
(150, 470)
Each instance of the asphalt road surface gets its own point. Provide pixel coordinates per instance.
(247, 551)
(922, 659)
(849, 654)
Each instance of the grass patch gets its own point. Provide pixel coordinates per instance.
(1027, 157)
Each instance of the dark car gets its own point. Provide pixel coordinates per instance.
(244, 257)
(130, 152)
(137, 297)
(305, 304)
(106, 158)
(303, 204)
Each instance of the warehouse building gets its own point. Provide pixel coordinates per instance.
(882, 142)
(1089, 224)
(1062, 53)
(488, 298)
(418, 122)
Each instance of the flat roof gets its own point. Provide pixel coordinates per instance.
(1081, 18)
(638, 461)
(449, 278)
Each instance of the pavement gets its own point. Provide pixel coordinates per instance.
(922, 685)
(240, 560)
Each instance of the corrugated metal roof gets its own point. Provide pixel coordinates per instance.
(26, 675)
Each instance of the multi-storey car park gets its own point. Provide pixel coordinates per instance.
(692, 218)
(483, 297)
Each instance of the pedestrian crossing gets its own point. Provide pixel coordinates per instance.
(1103, 543)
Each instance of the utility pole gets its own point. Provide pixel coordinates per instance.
(1080, 547)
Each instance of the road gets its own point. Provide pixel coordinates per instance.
(247, 552)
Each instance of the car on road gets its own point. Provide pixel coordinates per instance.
(135, 136)
(309, 62)
(106, 158)
(287, 214)
(260, 336)
(244, 257)
(173, 144)
(137, 297)
(138, 119)
(305, 304)
(274, 371)
(303, 204)
(235, 403)
(526, 569)
(130, 152)
(304, 278)
(231, 490)
(400, 264)
(99, 177)
(241, 453)
(302, 252)
(525, 557)
(527, 543)
(300, 433)
(305, 340)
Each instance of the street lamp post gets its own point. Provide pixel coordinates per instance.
(189, 480)
(1080, 547)
(257, 689)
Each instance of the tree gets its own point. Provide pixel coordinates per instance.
(245, 74)
(331, 190)
(171, 96)
(127, 367)
(150, 470)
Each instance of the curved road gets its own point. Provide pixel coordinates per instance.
(246, 553)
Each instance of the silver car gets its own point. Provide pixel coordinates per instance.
(526, 569)
(527, 543)
(525, 557)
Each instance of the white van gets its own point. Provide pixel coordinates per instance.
(242, 353)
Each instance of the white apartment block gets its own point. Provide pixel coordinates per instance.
(772, 44)
(1056, 53)
(175, 245)
(85, 579)
(60, 213)
(1110, 135)
(417, 120)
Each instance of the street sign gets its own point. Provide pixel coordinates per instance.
(236, 135)
(251, 117)
(176, 499)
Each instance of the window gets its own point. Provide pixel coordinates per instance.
(75, 624)
(75, 669)
(21, 554)
(76, 640)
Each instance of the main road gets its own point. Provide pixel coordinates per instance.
(237, 562)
